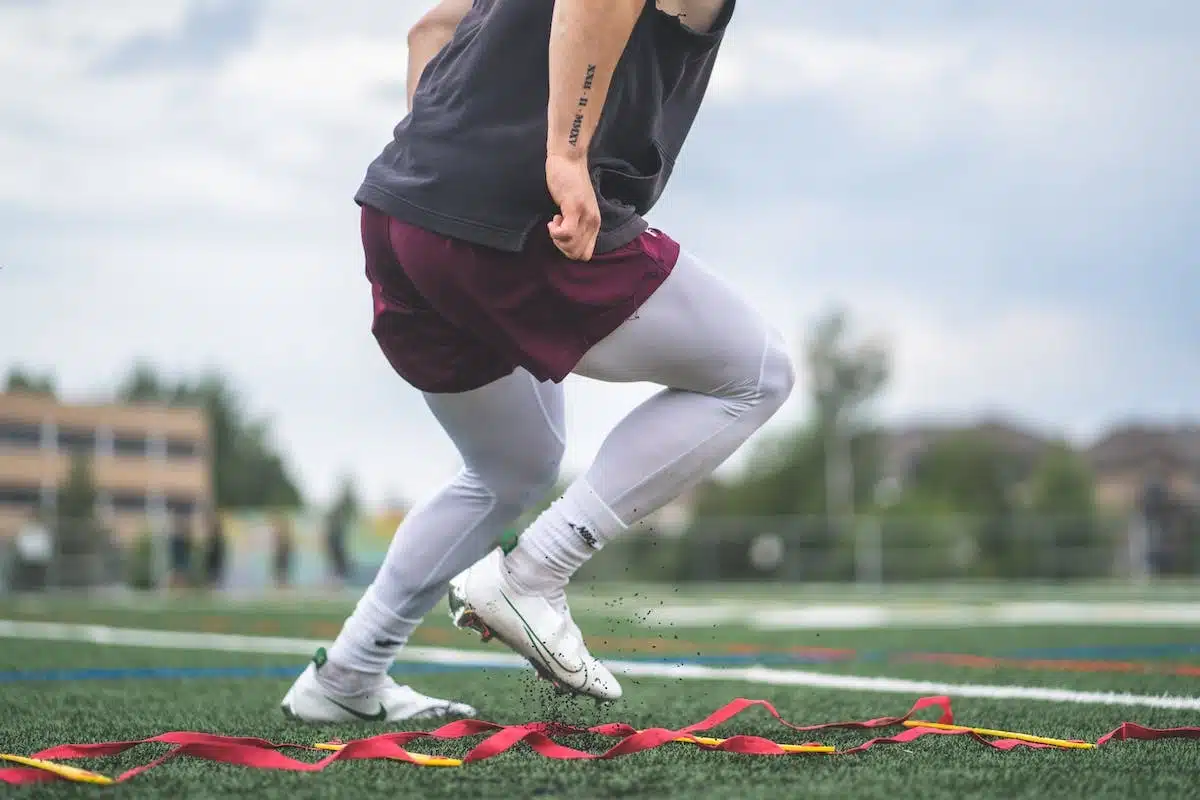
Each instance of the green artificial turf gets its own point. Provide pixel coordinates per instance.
(35, 714)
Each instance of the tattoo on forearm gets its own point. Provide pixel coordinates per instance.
(577, 123)
(576, 127)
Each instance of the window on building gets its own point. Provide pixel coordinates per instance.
(182, 449)
(129, 444)
(129, 502)
(20, 434)
(19, 496)
(181, 506)
(77, 440)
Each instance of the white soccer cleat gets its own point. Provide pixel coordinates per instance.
(482, 599)
(309, 701)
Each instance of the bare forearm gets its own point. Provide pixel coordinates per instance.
(587, 38)
(421, 50)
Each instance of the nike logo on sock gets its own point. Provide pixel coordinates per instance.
(584, 534)
(387, 643)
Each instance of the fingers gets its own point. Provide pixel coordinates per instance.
(574, 232)
(577, 225)
(560, 229)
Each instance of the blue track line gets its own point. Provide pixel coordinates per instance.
(1115, 652)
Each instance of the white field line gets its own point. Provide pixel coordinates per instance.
(231, 643)
(841, 616)
(895, 607)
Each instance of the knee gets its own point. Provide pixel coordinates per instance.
(524, 478)
(535, 476)
(778, 374)
(766, 379)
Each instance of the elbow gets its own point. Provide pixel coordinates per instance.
(431, 27)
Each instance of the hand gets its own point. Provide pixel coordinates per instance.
(575, 228)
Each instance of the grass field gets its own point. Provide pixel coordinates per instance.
(76, 690)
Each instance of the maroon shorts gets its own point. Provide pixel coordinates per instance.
(452, 316)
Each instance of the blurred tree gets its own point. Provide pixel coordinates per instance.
(1190, 534)
(141, 564)
(784, 477)
(844, 377)
(247, 469)
(829, 464)
(143, 384)
(971, 472)
(77, 496)
(1063, 503)
(825, 467)
(1063, 485)
(346, 504)
(77, 538)
(23, 380)
(782, 493)
(923, 536)
(974, 476)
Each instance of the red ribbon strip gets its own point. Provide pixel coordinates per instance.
(262, 754)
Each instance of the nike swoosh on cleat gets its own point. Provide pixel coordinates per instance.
(541, 647)
(378, 716)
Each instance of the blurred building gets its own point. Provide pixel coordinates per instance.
(904, 446)
(1129, 458)
(1124, 460)
(148, 462)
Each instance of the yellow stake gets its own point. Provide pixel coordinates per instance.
(787, 748)
(74, 774)
(1024, 737)
(421, 759)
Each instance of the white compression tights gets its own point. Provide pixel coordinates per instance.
(726, 373)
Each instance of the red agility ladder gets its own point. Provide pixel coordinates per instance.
(540, 737)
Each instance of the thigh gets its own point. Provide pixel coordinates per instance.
(538, 308)
(512, 430)
(695, 333)
(429, 351)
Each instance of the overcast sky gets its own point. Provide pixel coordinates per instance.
(1008, 191)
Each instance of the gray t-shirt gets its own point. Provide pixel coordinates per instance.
(469, 159)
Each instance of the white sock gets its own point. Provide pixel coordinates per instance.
(364, 650)
(556, 545)
(557, 598)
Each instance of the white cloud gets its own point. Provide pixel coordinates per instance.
(1039, 96)
(231, 141)
(1035, 354)
(50, 28)
(229, 238)
(780, 63)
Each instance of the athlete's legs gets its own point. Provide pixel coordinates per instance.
(726, 373)
(510, 436)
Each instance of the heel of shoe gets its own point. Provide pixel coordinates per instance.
(465, 618)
